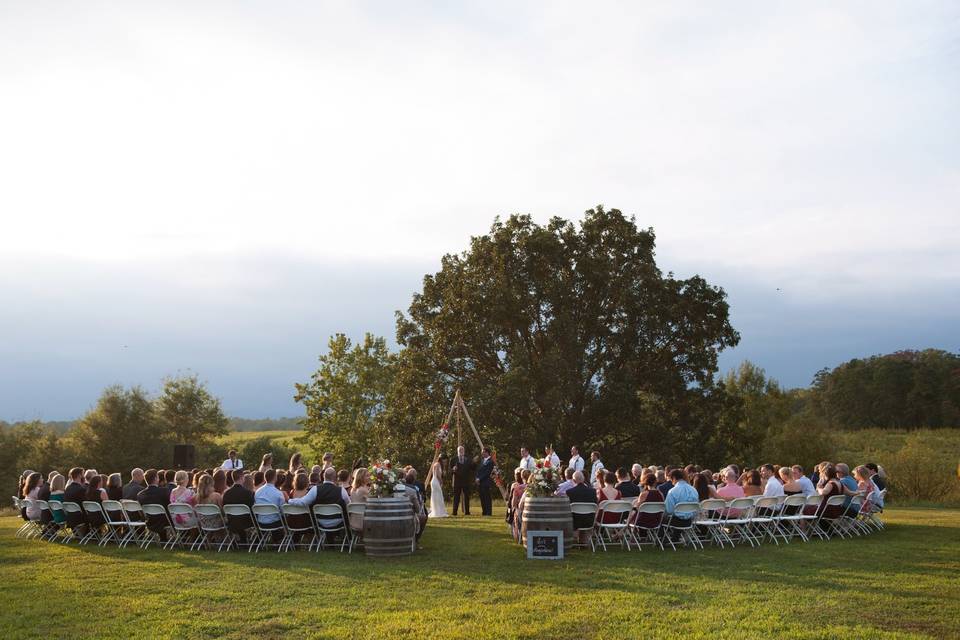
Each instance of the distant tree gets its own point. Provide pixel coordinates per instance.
(346, 397)
(906, 389)
(121, 432)
(188, 412)
(765, 405)
(563, 334)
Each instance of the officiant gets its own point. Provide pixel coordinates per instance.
(462, 469)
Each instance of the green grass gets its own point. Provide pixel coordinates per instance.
(237, 438)
(471, 581)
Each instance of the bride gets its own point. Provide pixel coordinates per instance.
(437, 508)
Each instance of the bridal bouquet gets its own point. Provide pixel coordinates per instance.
(544, 480)
(383, 480)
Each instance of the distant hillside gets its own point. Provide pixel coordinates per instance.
(264, 424)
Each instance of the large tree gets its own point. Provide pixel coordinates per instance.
(121, 432)
(564, 334)
(188, 412)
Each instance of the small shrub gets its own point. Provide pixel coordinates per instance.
(920, 471)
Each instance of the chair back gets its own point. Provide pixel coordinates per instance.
(794, 503)
(153, 510)
(115, 512)
(185, 510)
(327, 510)
(55, 506)
(686, 509)
(583, 508)
(711, 505)
(133, 510)
(267, 510)
(772, 503)
(813, 500)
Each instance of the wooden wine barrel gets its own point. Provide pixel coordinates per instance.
(548, 514)
(388, 527)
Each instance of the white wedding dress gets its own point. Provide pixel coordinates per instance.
(437, 507)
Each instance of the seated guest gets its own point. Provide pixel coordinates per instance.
(422, 490)
(115, 487)
(75, 490)
(57, 483)
(301, 484)
(791, 487)
(517, 490)
(567, 484)
(343, 479)
(772, 487)
(701, 486)
(878, 478)
(232, 462)
(135, 486)
(95, 493)
(666, 484)
(327, 492)
(807, 488)
(240, 493)
(581, 492)
(183, 494)
(636, 473)
(359, 493)
(843, 474)
(285, 482)
(270, 493)
(44, 493)
(220, 480)
(314, 478)
(419, 512)
(608, 491)
(155, 494)
(868, 488)
(625, 484)
(648, 494)
(682, 491)
(169, 479)
(207, 491)
(730, 489)
(266, 462)
(31, 491)
(88, 475)
(752, 483)
(259, 478)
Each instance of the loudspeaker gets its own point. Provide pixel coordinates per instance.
(184, 456)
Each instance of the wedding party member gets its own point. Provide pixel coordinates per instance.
(462, 469)
(576, 462)
(296, 463)
(526, 460)
(484, 482)
(625, 484)
(438, 509)
(266, 462)
(595, 466)
(327, 461)
(552, 456)
(567, 484)
(232, 462)
(771, 485)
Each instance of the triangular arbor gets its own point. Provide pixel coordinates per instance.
(457, 415)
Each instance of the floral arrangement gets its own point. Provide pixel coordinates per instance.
(496, 474)
(544, 480)
(383, 480)
(442, 436)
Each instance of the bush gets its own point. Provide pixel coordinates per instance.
(801, 440)
(920, 471)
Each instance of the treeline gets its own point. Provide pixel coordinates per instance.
(233, 424)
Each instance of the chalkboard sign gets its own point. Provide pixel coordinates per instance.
(545, 545)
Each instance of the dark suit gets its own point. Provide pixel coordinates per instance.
(238, 525)
(131, 490)
(75, 492)
(155, 495)
(483, 486)
(582, 493)
(463, 472)
(628, 489)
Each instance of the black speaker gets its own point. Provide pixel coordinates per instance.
(184, 456)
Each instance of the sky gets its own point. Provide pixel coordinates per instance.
(217, 187)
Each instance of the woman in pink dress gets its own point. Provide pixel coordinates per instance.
(182, 494)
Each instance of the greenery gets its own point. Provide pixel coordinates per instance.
(471, 581)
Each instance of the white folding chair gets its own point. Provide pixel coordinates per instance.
(583, 509)
(680, 522)
(136, 522)
(709, 524)
(831, 515)
(298, 522)
(115, 522)
(56, 508)
(97, 523)
(738, 520)
(76, 522)
(184, 520)
(27, 526)
(266, 531)
(648, 527)
(211, 523)
(613, 532)
(791, 515)
(240, 520)
(811, 516)
(356, 535)
(766, 514)
(159, 525)
(328, 513)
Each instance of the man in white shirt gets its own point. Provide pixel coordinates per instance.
(576, 462)
(526, 460)
(232, 462)
(772, 487)
(806, 484)
(552, 456)
(596, 466)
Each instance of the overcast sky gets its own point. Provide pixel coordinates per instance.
(218, 187)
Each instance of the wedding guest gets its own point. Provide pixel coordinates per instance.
(851, 486)
(581, 492)
(285, 482)
(701, 485)
(682, 491)
(241, 492)
(220, 480)
(790, 485)
(878, 478)
(752, 482)
(608, 491)
(567, 484)
(269, 493)
(771, 487)
(232, 462)
(88, 474)
(296, 462)
(625, 484)
(183, 494)
(57, 484)
(730, 489)
(301, 485)
(75, 490)
(665, 484)
(135, 486)
(169, 478)
(259, 478)
(314, 478)
(806, 485)
(595, 467)
(266, 462)
(636, 473)
(155, 494)
(419, 511)
(868, 488)
(95, 492)
(650, 493)
(343, 480)
(115, 487)
(359, 492)
(31, 491)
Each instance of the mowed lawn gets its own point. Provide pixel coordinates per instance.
(471, 581)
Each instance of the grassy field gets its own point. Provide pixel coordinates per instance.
(471, 581)
(239, 437)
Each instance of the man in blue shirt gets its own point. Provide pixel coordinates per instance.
(681, 492)
(269, 494)
(843, 474)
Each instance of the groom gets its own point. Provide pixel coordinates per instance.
(462, 468)
(484, 481)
